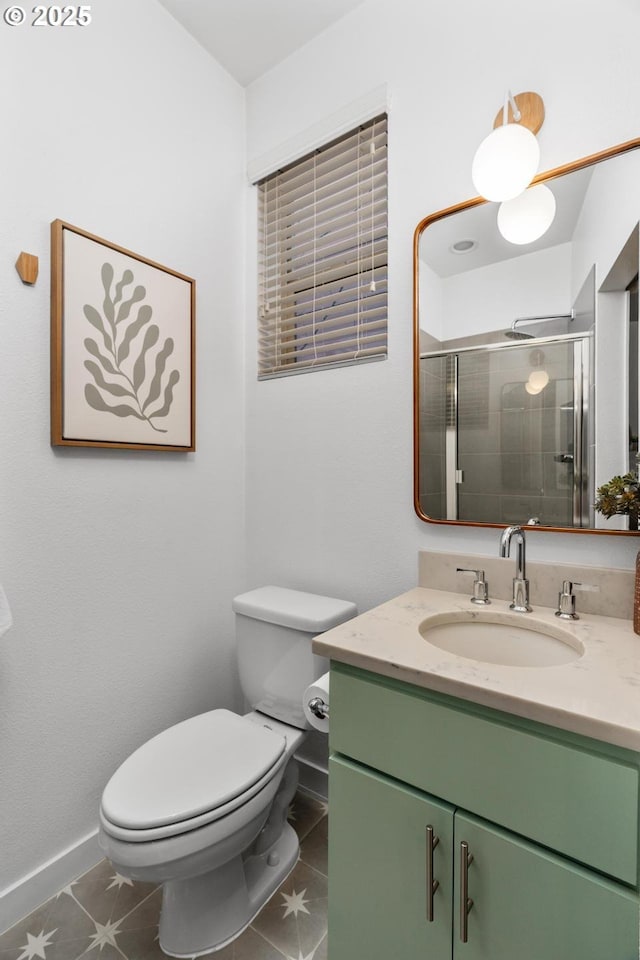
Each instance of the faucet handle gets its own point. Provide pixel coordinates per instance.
(480, 585)
(567, 601)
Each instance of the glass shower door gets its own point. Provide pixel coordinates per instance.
(521, 434)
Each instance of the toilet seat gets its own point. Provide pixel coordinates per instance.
(189, 775)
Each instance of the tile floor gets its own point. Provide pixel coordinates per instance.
(102, 916)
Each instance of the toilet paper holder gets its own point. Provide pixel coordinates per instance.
(319, 708)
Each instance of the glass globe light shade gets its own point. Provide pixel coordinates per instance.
(539, 379)
(525, 218)
(505, 162)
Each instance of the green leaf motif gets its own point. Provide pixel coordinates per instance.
(95, 320)
(119, 343)
(127, 278)
(107, 279)
(144, 315)
(92, 347)
(168, 396)
(93, 398)
(113, 388)
(156, 383)
(125, 307)
(139, 369)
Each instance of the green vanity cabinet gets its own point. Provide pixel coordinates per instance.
(529, 903)
(378, 898)
(414, 775)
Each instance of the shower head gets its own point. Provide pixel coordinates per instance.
(518, 334)
(514, 334)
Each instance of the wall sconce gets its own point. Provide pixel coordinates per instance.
(538, 379)
(528, 216)
(507, 160)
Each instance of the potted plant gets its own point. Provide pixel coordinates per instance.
(620, 496)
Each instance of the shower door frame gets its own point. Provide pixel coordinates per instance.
(583, 516)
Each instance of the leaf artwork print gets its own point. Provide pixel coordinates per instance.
(130, 379)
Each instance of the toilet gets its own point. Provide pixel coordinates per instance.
(201, 808)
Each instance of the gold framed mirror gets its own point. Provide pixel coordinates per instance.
(526, 398)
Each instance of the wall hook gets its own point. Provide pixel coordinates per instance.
(27, 267)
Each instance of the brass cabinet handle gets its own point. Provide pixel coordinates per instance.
(466, 903)
(432, 885)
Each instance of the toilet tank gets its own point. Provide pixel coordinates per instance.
(274, 630)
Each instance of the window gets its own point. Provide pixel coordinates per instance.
(323, 257)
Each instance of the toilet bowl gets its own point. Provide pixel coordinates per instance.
(201, 808)
(208, 835)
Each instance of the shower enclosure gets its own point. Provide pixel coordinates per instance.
(506, 434)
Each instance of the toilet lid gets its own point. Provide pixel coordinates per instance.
(193, 767)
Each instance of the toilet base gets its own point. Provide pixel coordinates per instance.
(239, 889)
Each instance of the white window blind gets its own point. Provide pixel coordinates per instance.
(323, 257)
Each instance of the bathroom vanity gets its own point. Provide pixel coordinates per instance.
(479, 809)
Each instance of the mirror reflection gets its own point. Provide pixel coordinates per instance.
(527, 354)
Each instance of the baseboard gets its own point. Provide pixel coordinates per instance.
(313, 778)
(21, 898)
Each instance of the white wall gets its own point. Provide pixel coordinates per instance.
(329, 489)
(492, 297)
(119, 566)
(609, 214)
(431, 301)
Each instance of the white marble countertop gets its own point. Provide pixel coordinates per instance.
(597, 695)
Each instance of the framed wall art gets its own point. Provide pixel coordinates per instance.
(122, 347)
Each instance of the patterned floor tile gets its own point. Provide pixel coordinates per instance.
(60, 928)
(12, 942)
(106, 951)
(146, 914)
(103, 916)
(304, 813)
(132, 933)
(106, 895)
(249, 946)
(45, 943)
(313, 849)
(320, 952)
(94, 893)
(139, 944)
(15, 936)
(295, 919)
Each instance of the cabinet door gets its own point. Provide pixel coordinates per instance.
(531, 904)
(378, 855)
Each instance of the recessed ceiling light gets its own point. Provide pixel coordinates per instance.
(463, 246)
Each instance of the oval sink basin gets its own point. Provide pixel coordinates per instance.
(512, 640)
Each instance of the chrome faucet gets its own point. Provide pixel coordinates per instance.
(520, 602)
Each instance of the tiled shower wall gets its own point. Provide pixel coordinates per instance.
(510, 443)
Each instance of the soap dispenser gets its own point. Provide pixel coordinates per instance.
(567, 602)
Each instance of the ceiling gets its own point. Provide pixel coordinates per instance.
(479, 224)
(248, 37)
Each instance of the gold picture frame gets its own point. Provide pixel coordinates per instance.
(122, 347)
